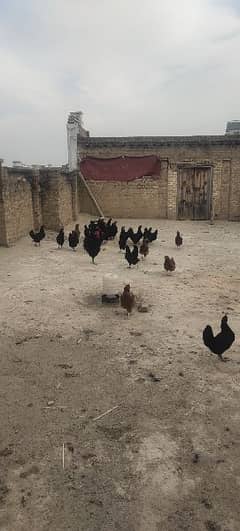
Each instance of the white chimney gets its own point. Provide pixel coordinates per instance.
(74, 128)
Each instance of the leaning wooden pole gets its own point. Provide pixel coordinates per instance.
(99, 210)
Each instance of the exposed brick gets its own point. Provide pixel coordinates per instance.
(141, 199)
(29, 198)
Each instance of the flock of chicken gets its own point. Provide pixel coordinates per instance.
(100, 231)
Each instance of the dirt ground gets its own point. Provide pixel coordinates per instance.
(168, 458)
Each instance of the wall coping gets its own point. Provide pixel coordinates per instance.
(157, 141)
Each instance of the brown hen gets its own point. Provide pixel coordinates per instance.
(127, 299)
(178, 239)
(144, 249)
(169, 264)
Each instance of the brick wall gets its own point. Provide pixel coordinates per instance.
(29, 198)
(144, 197)
(225, 187)
(16, 208)
(221, 152)
(3, 240)
(36, 200)
(65, 200)
(140, 198)
(85, 203)
(50, 199)
(57, 201)
(234, 199)
(172, 191)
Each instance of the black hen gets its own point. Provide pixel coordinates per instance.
(86, 231)
(136, 236)
(73, 240)
(112, 231)
(60, 238)
(42, 232)
(146, 234)
(102, 228)
(132, 256)
(77, 230)
(92, 246)
(37, 237)
(222, 341)
(152, 236)
(123, 239)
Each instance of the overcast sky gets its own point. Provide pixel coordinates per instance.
(134, 67)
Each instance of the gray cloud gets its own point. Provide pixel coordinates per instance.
(134, 67)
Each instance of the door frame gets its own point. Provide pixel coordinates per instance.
(200, 165)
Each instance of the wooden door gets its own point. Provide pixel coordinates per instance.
(194, 192)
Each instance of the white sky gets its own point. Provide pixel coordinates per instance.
(134, 67)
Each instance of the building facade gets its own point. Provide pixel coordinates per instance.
(194, 177)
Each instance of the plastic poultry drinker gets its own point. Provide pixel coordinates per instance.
(110, 292)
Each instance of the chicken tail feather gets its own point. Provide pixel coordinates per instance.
(208, 337)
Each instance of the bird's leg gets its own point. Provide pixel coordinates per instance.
(221, 358)
(224, 359)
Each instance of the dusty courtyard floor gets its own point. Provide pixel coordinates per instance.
(168, 458)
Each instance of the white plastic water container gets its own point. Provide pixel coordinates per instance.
(111, 285)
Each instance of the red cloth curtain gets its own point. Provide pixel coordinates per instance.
(120, 168)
